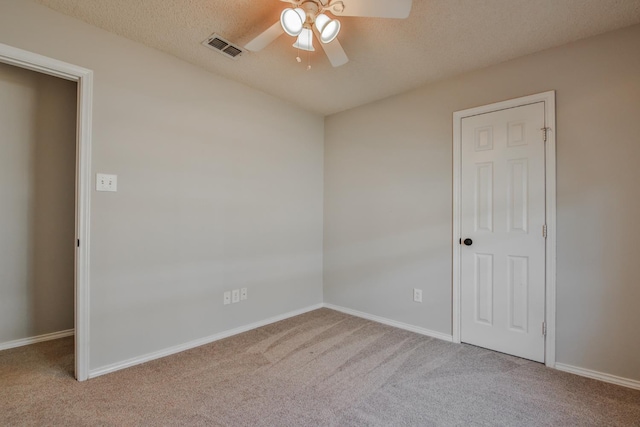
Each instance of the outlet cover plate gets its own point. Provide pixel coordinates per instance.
(106, 182)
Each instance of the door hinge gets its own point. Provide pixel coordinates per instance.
(544, 231)
(78, 243)
(544, 329)
(545, 130)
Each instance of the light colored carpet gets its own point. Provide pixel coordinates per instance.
(321, 368)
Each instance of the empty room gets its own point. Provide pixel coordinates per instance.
(319, 212)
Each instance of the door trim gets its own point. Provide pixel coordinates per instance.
(549, 99)
(84, 78)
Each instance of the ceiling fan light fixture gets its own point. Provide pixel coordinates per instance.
(305, 40)
(327, 27)
(292, 20)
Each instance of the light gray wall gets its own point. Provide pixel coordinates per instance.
(388, 197)
(37, 197)
(217, 190)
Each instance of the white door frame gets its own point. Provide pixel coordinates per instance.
(84, 78)
(549, 99)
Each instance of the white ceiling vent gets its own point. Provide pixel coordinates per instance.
(225, 47)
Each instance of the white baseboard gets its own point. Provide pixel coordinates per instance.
(32, 340)
(385, 321)
(196, 343)
(608, 378)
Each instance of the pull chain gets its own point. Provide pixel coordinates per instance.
(309, 53)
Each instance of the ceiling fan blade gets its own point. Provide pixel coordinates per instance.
(333, 50)
(372, 8)
(266, 38)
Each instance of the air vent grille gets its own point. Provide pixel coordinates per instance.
(220, 45)
(232, 51)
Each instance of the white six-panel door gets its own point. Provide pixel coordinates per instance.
(502, 266)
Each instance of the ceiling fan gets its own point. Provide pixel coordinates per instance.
(307, 18)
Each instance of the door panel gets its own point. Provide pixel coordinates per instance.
(484, 197)
(503, 212)
(484, 288)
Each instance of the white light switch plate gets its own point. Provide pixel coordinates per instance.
(105, 182)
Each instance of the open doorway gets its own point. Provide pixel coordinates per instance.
(37, 213)
(46, 160)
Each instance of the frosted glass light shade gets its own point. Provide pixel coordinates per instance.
(292, 20)
(305, 40)
(327, 27)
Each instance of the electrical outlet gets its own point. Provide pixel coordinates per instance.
(106, 182)
(417, 295)
(235, 296)
(227, 298)
(243, 294)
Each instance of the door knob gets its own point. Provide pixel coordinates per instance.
(468, 242)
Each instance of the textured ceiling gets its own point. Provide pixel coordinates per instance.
(387, 56)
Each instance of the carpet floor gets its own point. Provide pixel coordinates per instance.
(323, 368)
